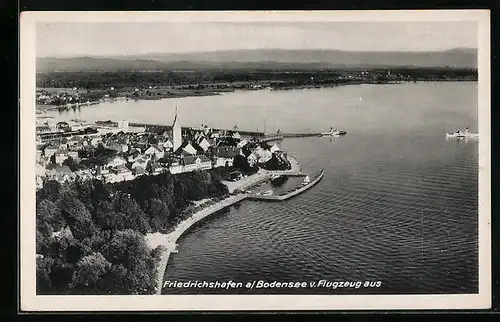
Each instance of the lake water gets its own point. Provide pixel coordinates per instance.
(398, 202)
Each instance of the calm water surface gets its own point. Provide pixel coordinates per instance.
(397, 204)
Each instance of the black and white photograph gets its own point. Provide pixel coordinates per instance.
(334, 160)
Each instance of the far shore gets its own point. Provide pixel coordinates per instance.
(163, 93)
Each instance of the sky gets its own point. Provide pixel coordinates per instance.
(102, 39)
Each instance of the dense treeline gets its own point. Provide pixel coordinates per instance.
(90, 234)
(100, 80)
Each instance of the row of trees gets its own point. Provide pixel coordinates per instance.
(126, 79)
(90, 235)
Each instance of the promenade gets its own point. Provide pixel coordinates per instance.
(170, 240)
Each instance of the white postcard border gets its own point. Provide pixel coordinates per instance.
(32, 302)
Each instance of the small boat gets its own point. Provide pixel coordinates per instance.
(334, 132)
(462, 134)
(267, 193)
(306, 180)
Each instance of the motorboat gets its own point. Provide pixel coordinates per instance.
(462, 134)
(333, 132)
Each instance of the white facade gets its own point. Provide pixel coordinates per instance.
(221, 162)
(154, 151)
(117, 161)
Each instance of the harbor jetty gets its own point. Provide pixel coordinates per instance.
(289, 194)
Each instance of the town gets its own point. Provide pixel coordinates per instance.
(116, 152)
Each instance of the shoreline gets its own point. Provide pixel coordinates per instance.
(169, 241)
(235, 89)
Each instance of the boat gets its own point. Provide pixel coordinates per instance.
(462, 134)
(306, 181)
(334, 132)
(277, 180)
(265, 193)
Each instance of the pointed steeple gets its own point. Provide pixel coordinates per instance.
(176, 112)
(176, 130)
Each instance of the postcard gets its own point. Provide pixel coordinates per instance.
(298, 160)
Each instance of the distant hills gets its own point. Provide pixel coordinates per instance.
(263, 59)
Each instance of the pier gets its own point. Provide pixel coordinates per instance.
(290, 194)
(287, 135)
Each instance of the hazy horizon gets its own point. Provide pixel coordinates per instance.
(60, 40)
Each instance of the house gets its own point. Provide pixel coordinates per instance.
(123, 173)
(74, 155)
(84, 174)
(116, 161)
(175, 168)
(237, 136)
(203, 143)
(168, 145)
(60, 173)
(155, 151)
(242, 143)
(226, 151)
(191, 163)
(156, 169)
(39, 156)
(61, 155)
(138, 170)
(252, 158)
(134, 154)
(43, 129)
(223, 162)
(95, 141)
(118, 147)
(75, 143)
(39, 182)
(50, 150)
(275, 148)
(139, 162)
(187, 148)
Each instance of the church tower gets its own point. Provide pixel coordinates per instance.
(176, 131)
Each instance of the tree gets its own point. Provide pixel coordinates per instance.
(71, 163)
(43, 238)
(88, 272)
(129, 249)
(47, 212)
(158, 212)
(50, 191)
(61, 276)
(105, 216)
(77, 217)
(130, 214)
(43, 271)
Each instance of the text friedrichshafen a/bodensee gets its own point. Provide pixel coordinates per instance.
(274, 284)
